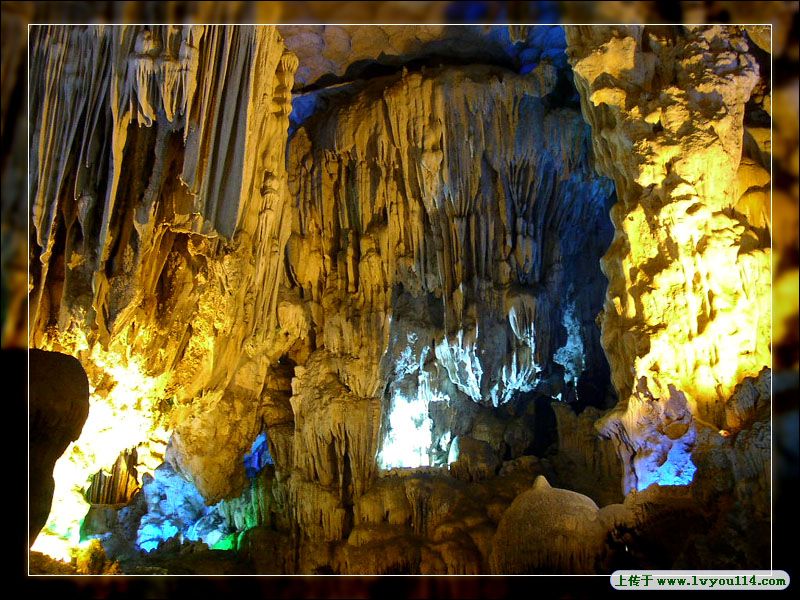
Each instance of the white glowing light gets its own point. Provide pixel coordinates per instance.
(407, 363)
(408, 441)
(409, 431)
(520, 376)
(570, 355)
(521, 373)
(409, 434)
(54, 547)
(444, 441)
(462, 364)
(455, 451)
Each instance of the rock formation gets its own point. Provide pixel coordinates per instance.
(415, 271)
(549, 530)
(690, 261)
(343, 324)
(158, 268)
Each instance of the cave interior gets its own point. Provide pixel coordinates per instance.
(399, 300)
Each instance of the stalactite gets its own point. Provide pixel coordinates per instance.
(155, 247)
(413, 183)
(395, 293)
(117, 487)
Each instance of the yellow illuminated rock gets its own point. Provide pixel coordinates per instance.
(359, 300)
(688, 307)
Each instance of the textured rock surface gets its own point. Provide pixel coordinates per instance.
(586, 462)
(689, 265)
(549, 530)
(159, 276)
(417, 282)
(343, 52)
(390, 290)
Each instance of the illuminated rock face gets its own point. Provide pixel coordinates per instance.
(687, 312)
(388, 293)
(157, 231)
(434, 244)
(549, 530)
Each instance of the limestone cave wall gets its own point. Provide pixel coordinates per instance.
(396, 315)
(690, 261)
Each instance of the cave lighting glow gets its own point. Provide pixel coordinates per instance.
(176, 508)
(408, 441)
(678, 469)
(409, 429)
(460, 358)
(122, 405)
(521, 373)
(258, 457)
(226, 543)
(571, 354)
(455, 451)
(153, 534)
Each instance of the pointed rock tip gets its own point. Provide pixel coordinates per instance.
(541, 483)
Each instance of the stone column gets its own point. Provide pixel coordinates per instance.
(687, 313)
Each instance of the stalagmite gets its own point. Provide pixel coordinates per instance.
(548, 530)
